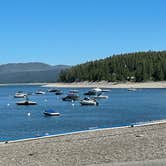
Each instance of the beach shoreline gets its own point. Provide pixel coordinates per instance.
(139, 124)
(111, 145)
(105, 84)
(101, 84)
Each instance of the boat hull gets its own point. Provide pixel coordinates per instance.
(51, 114)
(101, 97)
(26, 103)
(89, 103)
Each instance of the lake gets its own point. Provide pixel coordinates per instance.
(120, 109)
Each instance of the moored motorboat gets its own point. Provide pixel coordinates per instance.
(58, 92)
(70, 97)
(89, 93)
(95, 91)
(26, 102)
(106, 90)
(51, 113)
(132, 89)
(73, 91)
(40, 92)
(53, 90)
(100, 97)
(88, 101)
(20, 95)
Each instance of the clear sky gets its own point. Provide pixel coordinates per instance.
(75, 31)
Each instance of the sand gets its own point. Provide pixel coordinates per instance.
(104, 84)
(89, 148)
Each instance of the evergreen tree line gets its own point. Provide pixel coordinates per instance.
(139, 66)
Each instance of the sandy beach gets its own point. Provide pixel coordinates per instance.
(104, 84)
(138, 143)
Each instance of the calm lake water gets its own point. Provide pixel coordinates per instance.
(120, 109)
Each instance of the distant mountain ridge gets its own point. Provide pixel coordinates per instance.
(31, 72)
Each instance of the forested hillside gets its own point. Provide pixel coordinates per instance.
(139, 66)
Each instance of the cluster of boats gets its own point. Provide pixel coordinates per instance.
(93, 94)
(90, 99)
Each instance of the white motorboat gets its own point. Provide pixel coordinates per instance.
(73, 91)
(132, 89)
(20, 95)
(97, 90)
(106, 90)
(39, 92)
(53, 90)
(94, 91)
(26, 102)
(100, 97)
(88, 101)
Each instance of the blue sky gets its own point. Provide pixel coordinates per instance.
(75, 31)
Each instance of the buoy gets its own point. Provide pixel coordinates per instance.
(29, 114)
(73, 104)
(8, 104)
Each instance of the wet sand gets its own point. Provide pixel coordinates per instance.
(111, 146)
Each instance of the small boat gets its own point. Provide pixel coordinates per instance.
(73, 91)
(100, 97)
(95, 91)
(106, 90)
(20, 95)
(71, 97)
(89, 93)
(51, 113)
(26, 102)
(39, 92)
(58, 92)
(132, 89)
(88, 101)
(53, 90)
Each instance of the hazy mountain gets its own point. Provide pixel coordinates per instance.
(29, 72)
